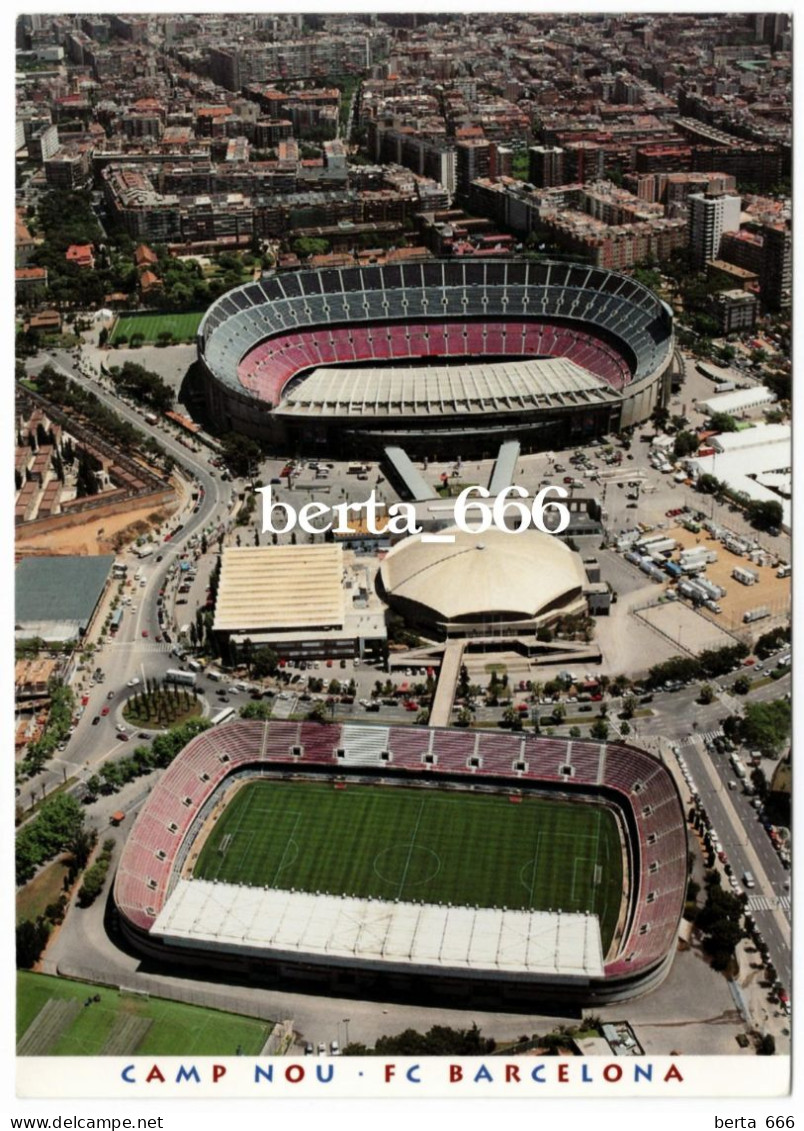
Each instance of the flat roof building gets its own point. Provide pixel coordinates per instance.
(302, 601)
(57, 597)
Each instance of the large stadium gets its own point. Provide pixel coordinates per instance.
(393, 860)
(435, 354)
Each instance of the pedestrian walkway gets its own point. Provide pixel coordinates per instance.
(768, 903)
(140, 645)
(709, 735)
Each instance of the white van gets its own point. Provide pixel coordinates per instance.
(748, 879)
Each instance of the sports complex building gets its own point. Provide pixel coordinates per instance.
(426, 355)
(315, 854)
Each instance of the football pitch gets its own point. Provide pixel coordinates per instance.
(57, 1017)
(181, 326)
(394, 843)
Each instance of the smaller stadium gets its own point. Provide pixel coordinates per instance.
(425, 355)
(369, 860)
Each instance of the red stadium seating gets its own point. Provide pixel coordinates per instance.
(159, 836)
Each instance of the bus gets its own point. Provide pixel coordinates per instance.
(223, 716)
(174, 676)
(117, 617)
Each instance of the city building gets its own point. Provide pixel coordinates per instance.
(710, 215)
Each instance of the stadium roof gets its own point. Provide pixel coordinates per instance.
(326, 929)
(280, 587)
(446, 389)
(56, 596)
(479, 574)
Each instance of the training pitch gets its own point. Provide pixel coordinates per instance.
(395, 843)
(57, 1017)
(181, 326)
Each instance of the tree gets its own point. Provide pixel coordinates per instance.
(629, 707)
(31, 941)
(722, 422)
(741, 685)
(264, 662)
(767, 1045)
(706, 694)
(765, 514)
(686, 444)
(719, 920)
(599, 730)
(81, 845)
(708, 484)
(625, 729)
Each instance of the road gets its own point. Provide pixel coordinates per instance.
(134, 651)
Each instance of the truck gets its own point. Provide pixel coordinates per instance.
(784, 570)
(658, 545)
(745, 576)
(151, 418)
(194, 665)
(756, 614)
(673, 569)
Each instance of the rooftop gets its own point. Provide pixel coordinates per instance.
(273, 587)
(326, 928)
(56, 596)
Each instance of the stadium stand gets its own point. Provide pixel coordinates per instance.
(644, 791)
(258, 338)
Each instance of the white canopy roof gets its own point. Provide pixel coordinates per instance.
(328, 930)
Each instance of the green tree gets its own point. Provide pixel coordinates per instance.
(766, 726)
(707, 484)
(31, 941)
(599, 730)
(706, 694)
(722, 422)
(686, 443)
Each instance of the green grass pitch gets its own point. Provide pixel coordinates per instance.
(123, 1024)
(181, 326)
(412, 844)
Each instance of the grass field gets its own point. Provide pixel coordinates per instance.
(52, 1020)
(44, 889)
(394, 843)
(181, 326)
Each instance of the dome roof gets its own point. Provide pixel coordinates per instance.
(496, 572)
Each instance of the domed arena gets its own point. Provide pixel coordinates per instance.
(483, 583)
(435, 354)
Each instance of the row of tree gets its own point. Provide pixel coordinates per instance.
(56, 729)
(112, 776)
(57, 827)
(709, 664)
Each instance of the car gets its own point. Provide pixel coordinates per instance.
(308, 1049)
(134, 682)
(145, 632)
(158, 638)
(322, 1049)
(104, 711)
(122, 736)
(110, 695)
(96, 720)
(334, 1048)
